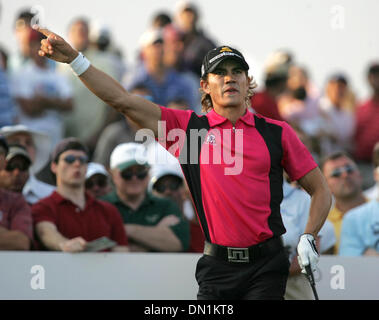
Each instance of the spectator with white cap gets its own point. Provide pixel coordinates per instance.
(167, 181)
(97, 180)
(37, 145)
(152, 223)
(15, 174)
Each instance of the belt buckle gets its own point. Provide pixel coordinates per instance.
(238, 254)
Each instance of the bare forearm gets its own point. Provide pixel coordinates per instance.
(52, 240)
(371, 252)
(320, 206)
(315, 184)
(143, 112)
(120, 249)
(14, 240)
(157, 238)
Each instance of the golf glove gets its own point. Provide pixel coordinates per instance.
(307, 252)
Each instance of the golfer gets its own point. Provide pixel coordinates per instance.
(233, 169)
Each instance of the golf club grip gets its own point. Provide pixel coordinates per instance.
(311, 280)
(310, 275)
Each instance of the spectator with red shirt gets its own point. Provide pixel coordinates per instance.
(70, 217)
(366, 127)
(16, 228)
(265, 102)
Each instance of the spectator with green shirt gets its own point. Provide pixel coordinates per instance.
(152, 223)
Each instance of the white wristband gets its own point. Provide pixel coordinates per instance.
(80, 64)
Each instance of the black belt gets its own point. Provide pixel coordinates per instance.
(247, 255)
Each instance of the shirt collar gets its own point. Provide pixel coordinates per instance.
(113, 197)
(335, 214)
(215, 119)
(59, 199)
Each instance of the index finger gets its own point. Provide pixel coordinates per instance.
(45, 32)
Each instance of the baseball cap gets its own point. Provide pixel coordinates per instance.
(17, 150)
(95, 168)
(160, 170)
(126, 155)
(68, 144)
(150, 37)
(186, 5)
(338, 77)
(215, 56)
(373, 68)
(3, 143)
(41, 142)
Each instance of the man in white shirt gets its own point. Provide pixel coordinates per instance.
(295, 211)
(42, 94)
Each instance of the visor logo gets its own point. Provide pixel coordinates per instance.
(223, 49)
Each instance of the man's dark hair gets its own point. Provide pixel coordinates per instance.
(373, 68)
(68, 144)
(161, 19)
(334, 156)
(3, 145)
(273, 81)
(82, 20)
(26, 15)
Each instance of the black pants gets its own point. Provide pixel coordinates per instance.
(263, 279)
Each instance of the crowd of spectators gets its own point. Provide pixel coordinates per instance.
(71, 170)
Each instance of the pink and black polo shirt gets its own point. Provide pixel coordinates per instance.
(235, 173)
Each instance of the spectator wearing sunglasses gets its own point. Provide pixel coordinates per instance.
(97, 180)
(345, 183)
(360, 226)
(152, 223)
(37, 144)
(16, 227)
(16, 172)
(167, 181)
(69, 218)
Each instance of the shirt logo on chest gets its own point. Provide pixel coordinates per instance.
(152, 219)
(211, 139)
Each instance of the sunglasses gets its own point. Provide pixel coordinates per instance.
(21, 166)
(336, 173)
(100, 181)
(128, 175)
(70, 159)
(172, 186)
